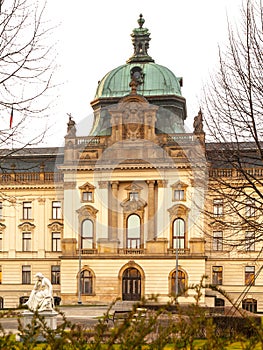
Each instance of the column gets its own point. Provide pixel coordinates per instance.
(151, 210)
(114, 210)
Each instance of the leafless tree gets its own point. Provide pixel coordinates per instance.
(233, 109)
(26, 68)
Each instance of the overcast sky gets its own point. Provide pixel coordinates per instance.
(94, 37)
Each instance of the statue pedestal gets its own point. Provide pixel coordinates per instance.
(50, 318)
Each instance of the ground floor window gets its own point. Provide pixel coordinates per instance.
(86, 282)
(249, 305)
(180, 281)
(131, 284)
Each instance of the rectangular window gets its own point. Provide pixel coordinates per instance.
(55, 274)
(27, 210)
(218, 207)
(1, 210)
(179, 195)
(26, 241)
(134, 196)
(1, 241)
(250, 241)
(250, 209)
(1, 274)
(26, 274)
(56, 241)
(217, 275)
(250, 275)
(56, 210)
(218, 240)
(87, 196)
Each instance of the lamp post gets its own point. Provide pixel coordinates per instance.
(176, 266)
(79, 280)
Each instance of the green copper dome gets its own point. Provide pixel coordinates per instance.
(157, 80)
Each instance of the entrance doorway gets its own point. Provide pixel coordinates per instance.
(131, 284)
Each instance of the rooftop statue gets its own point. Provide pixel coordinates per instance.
(41, 298)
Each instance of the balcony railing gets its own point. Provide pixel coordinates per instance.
(131, 251)
(88, 251)
(22, 178)
(181, 251)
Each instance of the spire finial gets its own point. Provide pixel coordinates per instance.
(140, 39)
(141, 21)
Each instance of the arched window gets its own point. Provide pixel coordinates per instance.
(86, 282)
(131, 284)
(134, 231)
(181, 282)
(178, 234)
(87, 235)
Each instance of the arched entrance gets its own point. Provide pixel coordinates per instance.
(131, 284)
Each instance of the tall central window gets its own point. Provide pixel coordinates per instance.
(179, 233)
(87, 234)
(134, 231)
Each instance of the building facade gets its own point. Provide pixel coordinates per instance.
(121, 213)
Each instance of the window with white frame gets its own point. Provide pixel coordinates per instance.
(218, 207)
(134, 196)
(179, 195)
(250, 241)
(56, 210)
(250, 209)
(1, 241)
(26, 241)
(55, 274)
(86, 282)
(133, 239)
(178, 234)
(87, 234)
(217, 275)
(56, 241)
(217, 240)
(26, 274)
(249, 275)
(27, 210)
(87, 196)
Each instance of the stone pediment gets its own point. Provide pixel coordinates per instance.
(87, 186)
(179, 185)
(133, 205)
(133, 187)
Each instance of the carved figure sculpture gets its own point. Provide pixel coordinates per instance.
(41, 298)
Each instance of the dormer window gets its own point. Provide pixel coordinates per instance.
(133, 196)
(87, 196)
(179, 191)
(87, 192)
(179, 195)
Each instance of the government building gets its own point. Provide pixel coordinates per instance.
(123, 212)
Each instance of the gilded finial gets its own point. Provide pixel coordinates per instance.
(141, 21)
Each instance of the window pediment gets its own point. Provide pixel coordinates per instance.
(87, 187)
(87, 211)
(26, 226)
(179, 185)
(55, 226)
(178, 210)
(133, 205)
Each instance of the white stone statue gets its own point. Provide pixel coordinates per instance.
(41, 298)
